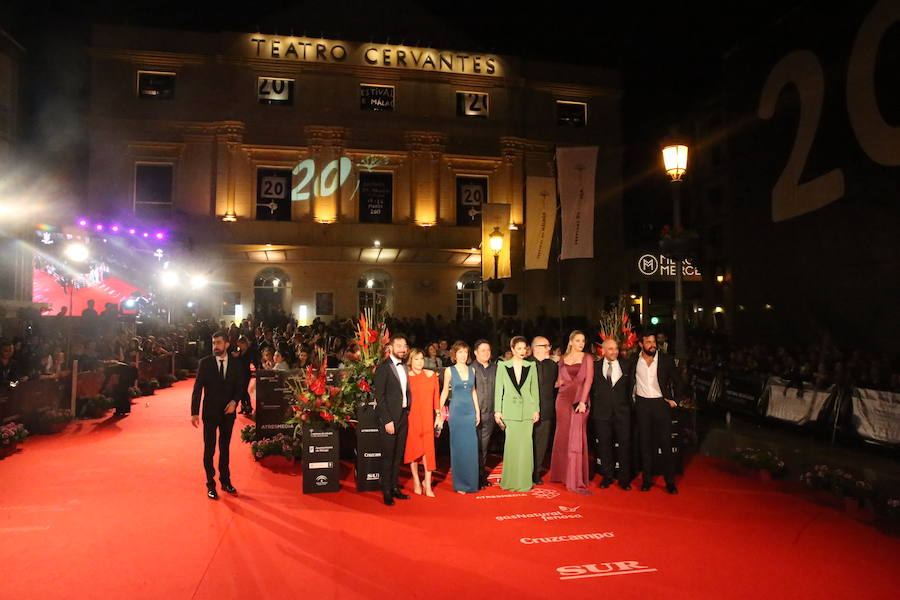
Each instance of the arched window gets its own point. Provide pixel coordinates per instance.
(373, 291)
(468, 295)
(271, 294)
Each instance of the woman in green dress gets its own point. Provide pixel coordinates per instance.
(516, 410)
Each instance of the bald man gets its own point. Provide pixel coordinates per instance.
(611, 417)
(546, 372)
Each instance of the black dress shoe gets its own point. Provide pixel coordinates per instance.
(606, 482)
(388, 498)
(646, 486)
(538, 481)
(670, 487)
(396, 493)
(625, 486)
(212, 494)
(227, 487)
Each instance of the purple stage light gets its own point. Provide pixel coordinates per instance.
(99, 227)
(115, 228)
(159, 235)
(131, 231)
(145, 234)
(82, 222)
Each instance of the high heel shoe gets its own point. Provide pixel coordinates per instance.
(429, 492)
(417, 491)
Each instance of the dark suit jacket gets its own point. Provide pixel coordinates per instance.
(606, 398)
(670, 382)
(389, 393)
(215, 392)
(547, 372)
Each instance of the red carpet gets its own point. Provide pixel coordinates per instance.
(117, 509)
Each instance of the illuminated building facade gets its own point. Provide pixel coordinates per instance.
(322, 176)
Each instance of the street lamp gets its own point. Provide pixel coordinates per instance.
(495, 285)
(675, 156)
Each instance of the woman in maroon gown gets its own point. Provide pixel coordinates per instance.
(569, 462)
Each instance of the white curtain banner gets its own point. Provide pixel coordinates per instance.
(791, 405)
(876, 415)
(576, 168)
(540, 219)
(494, 215)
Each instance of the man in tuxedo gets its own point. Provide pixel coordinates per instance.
(219, 382)
(657, 383)
(485, 377)
(547, 371)
(392, 401)
(611, 416)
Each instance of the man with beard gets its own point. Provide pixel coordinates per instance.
(219, 381)
(392, 401)
(547, 372)
(657, 383)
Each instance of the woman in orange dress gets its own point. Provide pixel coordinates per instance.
(424, 417)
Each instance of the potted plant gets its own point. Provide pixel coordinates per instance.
(11, 435)
(54, 420)
(765, 462)
(92, 407)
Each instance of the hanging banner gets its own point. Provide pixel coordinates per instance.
(876, 415)
(494, 215)
(792, 404)
(576, 168)
(540, 220)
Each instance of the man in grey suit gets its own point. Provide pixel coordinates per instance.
(485, 376)
(547, 373)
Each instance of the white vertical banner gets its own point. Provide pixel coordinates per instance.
(576, 168)
(495, 215)
(540, 219)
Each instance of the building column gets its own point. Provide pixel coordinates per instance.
(326, 147)
(228, 140)
(425, 151)
(512, 177)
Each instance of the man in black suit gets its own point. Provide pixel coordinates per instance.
(392, 401)
(611, 416)
(219, 381)
(485, 379)
(242, 353)
(547, 371)
(657, 383)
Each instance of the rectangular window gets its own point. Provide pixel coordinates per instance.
(465, 305)
(376, 97)
(274, 90)
(471, 104)
(324, 304)
(273, 195)
(229, 301)
(471, 194)
(573, 114)
(153, 191)
(156, 84)
(376, 197)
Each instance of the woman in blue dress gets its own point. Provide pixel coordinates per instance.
(459, 382)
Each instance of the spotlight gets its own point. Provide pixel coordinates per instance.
(115, 228)
(145, 234)
(370, 283)
(77, 252)
(377, 244)
(169, 278)
(131, 231)
(198, 282)
(159, 235)
(190, 305)
(82, 222)
(130, 303)
(99, 227)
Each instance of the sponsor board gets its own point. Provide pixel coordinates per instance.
(321, 465)
(577, 537)
(368, 431)
(321, 434)
(604, 569)
(371, 454)
(564, 512)
(321, 480)
(373, 476)
(320, 449)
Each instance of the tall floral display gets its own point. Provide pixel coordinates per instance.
(356, 375)
(615, 325)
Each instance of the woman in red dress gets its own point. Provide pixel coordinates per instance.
(424, 415)
(569, 462)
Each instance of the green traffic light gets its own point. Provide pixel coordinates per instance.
(654, 320)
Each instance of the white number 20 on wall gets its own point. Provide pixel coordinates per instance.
(879, 140)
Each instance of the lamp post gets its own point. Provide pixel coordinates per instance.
(675, 155)
(495, 285)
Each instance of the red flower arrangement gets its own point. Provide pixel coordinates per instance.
(316, 401)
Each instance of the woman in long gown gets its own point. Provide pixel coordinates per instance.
(569, 462)
(424, 413)
(516, 410)
(464, 418)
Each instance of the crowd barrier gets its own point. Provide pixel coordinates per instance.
(871, 414)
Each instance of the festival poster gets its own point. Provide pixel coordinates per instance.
(540, 220)
(576, 168)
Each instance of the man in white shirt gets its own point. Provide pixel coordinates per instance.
(657, 382)
(390, 387)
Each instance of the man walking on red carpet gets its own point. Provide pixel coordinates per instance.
(219, 381)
